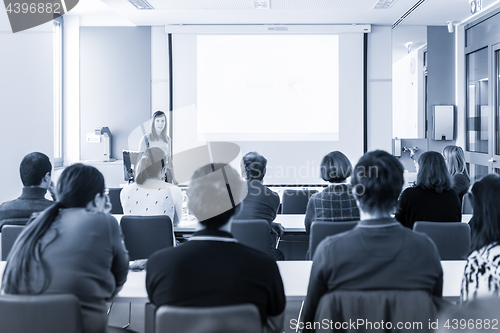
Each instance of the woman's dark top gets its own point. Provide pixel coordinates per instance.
(419, 204)
(461, 183)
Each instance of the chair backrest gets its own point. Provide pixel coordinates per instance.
(413, 307)
(253, 233)
(14, 221)
(295, 201)
(241, 318)
(321, 230)
(466, 204)
(114, 198)
(452, 239)
(40, 314)
(9, 236)
(144, 235)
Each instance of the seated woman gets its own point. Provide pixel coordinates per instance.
(73, 247)
(455, 161)
(336, 202)
(482, 274)
(150, 195)
(432, 198)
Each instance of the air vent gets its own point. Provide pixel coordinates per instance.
(405, 15)
(141, 4)
(383, 4)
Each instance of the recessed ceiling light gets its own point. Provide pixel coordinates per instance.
(261, 4)
(141, 4)
(383, 4)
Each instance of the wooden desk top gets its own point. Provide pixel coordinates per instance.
(295, 275)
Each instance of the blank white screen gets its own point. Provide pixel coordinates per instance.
(273, 80)
(289, 162)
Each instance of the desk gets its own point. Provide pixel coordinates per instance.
(295, 275)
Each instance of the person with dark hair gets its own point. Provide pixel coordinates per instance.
(157, 137)
(261, 203)
(212, 268)
(150, 194)
(482, 273)
(335, 202)
(379, 253)
(35, 171)
(455, 161)
(432, 198)
(73, 247)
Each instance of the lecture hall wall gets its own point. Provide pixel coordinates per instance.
(26, 91)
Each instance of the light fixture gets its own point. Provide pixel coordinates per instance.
(383, 4)
(141, 4)
(261, 4)
(451, 27)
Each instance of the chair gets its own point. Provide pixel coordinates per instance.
(452, 239)
(9, 237)
(241, 318)
(144, 235)
(14, 221)
(415, 307)
(253, 233)
(40, 314)
(114, 198)
(321, 230)
(295, 201)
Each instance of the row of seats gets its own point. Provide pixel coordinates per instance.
(145, 235)
(453, 239)
(61, 314)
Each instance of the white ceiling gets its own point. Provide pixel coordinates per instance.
(431, 12)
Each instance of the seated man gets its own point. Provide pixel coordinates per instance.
(212, 268)
(35, 173)
(379, 253)
(260, 203)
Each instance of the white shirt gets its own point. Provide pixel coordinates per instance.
(153, 197)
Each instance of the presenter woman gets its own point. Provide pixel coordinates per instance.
(73, 247)
(157, 137)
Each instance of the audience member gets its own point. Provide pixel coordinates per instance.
(482, 273)
(455, 161)
(35, 170)
(150, 194)
(74, 247)
(379, 253)
(432, 198)
(336, 202)
(261, 203)
(212, 268)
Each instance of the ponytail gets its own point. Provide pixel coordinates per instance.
(26, 252)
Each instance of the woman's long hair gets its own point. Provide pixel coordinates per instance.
(485, 223)
(455, 160)
(432, 173)
(77, 186)
(153, 136)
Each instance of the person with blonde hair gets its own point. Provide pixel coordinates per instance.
(157, 137)
(150, 194)
(455, 162)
